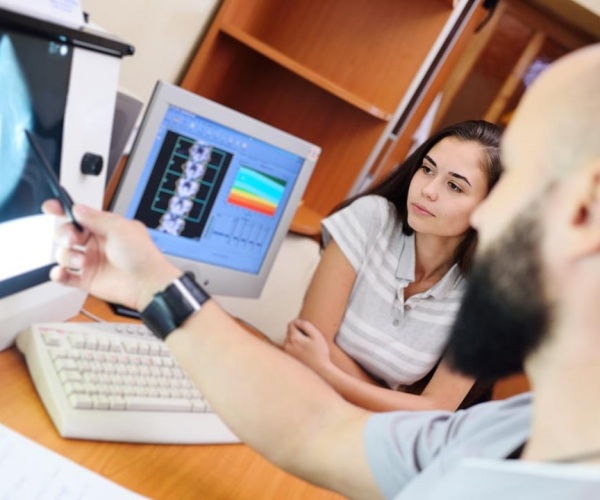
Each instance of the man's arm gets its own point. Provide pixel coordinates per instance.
(273, 402)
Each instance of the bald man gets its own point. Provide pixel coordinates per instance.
(532, 302)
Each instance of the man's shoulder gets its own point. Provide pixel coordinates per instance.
(402, 445)
(494, 479)
(483, 412)
(518, 403)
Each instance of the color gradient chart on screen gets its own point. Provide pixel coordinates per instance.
(256, 191)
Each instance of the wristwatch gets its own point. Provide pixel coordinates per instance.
(175, 304)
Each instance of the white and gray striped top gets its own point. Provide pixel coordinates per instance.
(394, 340)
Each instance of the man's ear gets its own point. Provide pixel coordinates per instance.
(584, 209)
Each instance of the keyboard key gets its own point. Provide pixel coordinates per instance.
(80, 401)
(158, 404)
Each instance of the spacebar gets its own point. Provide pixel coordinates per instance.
(157, 404)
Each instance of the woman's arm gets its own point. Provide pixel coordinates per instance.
(325, 303)
(445, 391)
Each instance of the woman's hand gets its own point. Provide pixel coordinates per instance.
(307, 344)
(113, 259)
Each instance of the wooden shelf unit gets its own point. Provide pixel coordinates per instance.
(333, 72)
(305, 72)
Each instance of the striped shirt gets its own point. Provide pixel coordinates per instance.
(396, 341)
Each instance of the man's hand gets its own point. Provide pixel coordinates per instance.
(113, 258)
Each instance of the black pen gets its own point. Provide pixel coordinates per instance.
(59, 191)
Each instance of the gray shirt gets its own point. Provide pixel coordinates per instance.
(396, 340)
(444, 455)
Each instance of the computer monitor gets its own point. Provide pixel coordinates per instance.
(216, 188)
(59, 84)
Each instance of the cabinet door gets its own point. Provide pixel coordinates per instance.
(493, 76)
(343, 74)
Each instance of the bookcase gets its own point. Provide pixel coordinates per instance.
(353, 76)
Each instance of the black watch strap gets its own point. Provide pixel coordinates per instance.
(171, 307)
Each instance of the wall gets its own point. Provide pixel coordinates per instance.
(164, 33)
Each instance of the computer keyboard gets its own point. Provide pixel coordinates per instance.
(116, 382)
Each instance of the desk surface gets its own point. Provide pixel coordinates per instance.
(157, 471)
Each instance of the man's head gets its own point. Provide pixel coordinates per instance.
(539, 228)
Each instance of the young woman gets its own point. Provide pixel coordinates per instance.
(378, 311)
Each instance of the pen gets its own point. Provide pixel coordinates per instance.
(59, 191)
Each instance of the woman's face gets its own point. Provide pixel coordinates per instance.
(447, 188)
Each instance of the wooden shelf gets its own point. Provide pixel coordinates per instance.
(306, 222)
(305, 73)
(370, 49)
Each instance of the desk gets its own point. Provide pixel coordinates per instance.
(157, 471)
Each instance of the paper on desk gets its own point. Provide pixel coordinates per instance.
(28, 470)
(66, 12)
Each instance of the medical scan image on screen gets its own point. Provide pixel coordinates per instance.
(212, 193)
(32, 98)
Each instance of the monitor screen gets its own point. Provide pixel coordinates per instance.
(217, 189)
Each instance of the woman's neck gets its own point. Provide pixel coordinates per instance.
(434, 256)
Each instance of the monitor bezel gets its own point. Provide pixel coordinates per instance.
(217, 280)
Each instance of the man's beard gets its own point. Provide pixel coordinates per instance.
(504, 314)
